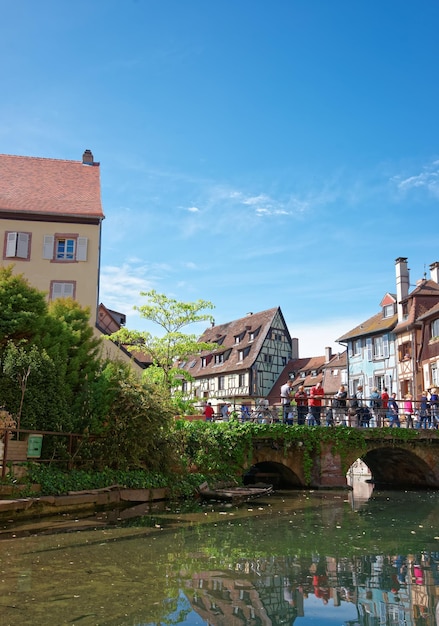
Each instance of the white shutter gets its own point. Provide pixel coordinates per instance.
(23, 245)
(48, 242)
(369, 349)
(11, 244)
(386, 346)
(81, 250)
(62, 290)
(426, 376)
(68, 289)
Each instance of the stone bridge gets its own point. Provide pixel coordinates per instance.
(393, 463)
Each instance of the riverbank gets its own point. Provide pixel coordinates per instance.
(21, 508)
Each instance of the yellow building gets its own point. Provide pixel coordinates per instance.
(50, 229)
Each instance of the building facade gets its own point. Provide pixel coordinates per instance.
(252, 352)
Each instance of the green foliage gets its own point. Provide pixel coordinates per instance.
(31, 381)
(55, 482)
(23, 308)
(173, 345)
(226, 448)
(134, 421)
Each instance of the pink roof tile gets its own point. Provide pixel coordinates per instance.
(55, 187)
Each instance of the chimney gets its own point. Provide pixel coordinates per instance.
(402, 284)
(294, 348)
(328, 354)
(434, 271)
(87, 157)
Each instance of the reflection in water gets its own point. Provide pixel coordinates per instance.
(297, 558)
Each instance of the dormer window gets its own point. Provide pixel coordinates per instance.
(253, 334)
(243, 353)
(240, 337)
(220, 340)
(302, 374)
(388, 310)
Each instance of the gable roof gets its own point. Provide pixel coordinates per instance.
(423, 297)
(373, 326)
(243, 328)
(36, 186)
(306, 365)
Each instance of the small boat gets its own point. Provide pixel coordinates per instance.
(233, 493)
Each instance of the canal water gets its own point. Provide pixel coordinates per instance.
(302, 558)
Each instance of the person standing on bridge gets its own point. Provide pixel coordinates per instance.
(315, 401)
(393, 412)
(285, 398)
(301, 399)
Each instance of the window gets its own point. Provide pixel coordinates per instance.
(221, 382)
(243, 353)
(268, 358)
(378, 347)
(203, 361)
(434, 329)
(17, 245)
(356, 347)
(65, 248)
(219, 358)
(241, 380)
(240, 337)
(62, 290)
(253, 334)
(388, 310)
(434, 375)
(284, 360)
(405, 351)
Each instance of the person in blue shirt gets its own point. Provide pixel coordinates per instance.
(393, 412)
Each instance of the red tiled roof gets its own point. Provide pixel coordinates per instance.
(55, 187)
(307, 365)
(423, 297)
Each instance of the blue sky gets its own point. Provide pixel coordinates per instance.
(254, 153)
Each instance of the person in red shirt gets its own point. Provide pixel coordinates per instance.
(384, 405)
(209, 412)
(315, 401)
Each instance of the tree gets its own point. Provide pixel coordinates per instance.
(174, 345)
(23, 308)
(133, 418)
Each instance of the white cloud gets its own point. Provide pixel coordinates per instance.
(314, 337)
(427, 179)
(193, 209)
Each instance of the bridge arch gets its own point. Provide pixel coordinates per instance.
(274, 473)
(398, 467)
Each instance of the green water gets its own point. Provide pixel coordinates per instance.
(293, 558)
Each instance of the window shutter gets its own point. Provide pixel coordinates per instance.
(11, 244)
(62, 290)
(369, 348)
(23, 245)
(388, 382)
(350, 351)
(81, 250)
(370, 383)
(386, 346)
(48, 242)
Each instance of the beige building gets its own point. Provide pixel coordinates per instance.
(50, 231)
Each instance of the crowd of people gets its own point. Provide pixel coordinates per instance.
(315, 408)
(378, 410)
